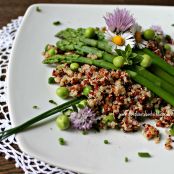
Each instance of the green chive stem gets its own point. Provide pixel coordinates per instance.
(40, 117)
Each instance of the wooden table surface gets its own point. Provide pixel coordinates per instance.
(11, 9)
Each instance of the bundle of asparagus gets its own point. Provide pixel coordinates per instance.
(159, 77)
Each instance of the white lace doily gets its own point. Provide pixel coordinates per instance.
(28, 164)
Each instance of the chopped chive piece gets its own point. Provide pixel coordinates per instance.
(74, 108)
(126, 159)
(46, 47)
(84, 132)
(35, 107)
(56, 23)
(38, 9)
(172, 25)
(62, 141)
(51, 80)
(168, 37)
(171, 131)
(52, 102)
(67, 112)
(157, 111)
(82, 104)
(144, 154)
(106, 141)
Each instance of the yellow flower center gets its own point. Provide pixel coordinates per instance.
(138, 37)
(118, 40)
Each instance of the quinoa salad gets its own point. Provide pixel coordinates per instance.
(124, 73)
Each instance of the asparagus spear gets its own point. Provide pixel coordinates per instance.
(76, 58)
(78, 35)
(80, 32)
(108, 57)
(162, 74)
(156, 60)
(155, 79)
(103, 45)
(67, 45)
(91, 42)
(70, 33)
(89, 50)
(151, 86)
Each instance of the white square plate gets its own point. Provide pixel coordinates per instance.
(27, 86)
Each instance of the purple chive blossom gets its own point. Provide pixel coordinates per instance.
(119, 21)
(157, 29)
(83, 119)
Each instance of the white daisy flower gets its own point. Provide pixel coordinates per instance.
(120, 41)
(137, 32)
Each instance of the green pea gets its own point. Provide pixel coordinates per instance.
(52, 51)
(167, 47)
(146, 61)
(74, 66)
(118, 61)
(63, 122)
(149, 34)
(86, 90)
(51, 80)
(62, 92)
(89, 32)
(82, 104)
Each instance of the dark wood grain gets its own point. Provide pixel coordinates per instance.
(11, 9)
